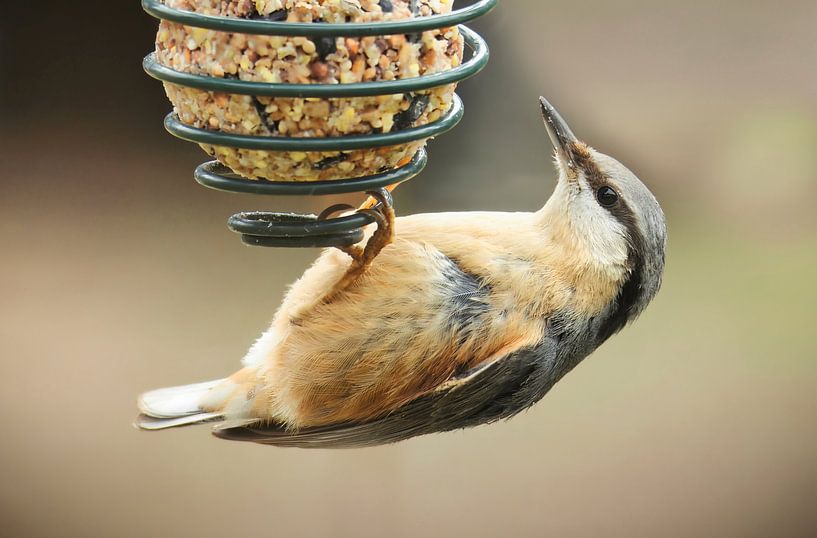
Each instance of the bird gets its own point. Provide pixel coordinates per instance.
(441, 321)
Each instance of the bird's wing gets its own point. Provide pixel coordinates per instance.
(499, 388)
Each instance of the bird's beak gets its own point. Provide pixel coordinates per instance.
(560, 135)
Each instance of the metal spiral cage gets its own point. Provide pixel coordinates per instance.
(292, 230)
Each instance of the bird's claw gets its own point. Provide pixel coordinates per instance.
(362, 257)
(354, 251)
(383, 214)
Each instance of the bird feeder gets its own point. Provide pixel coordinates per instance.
(293, 230)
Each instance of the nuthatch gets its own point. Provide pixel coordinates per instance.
(443, 321)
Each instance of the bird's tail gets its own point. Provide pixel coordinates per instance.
(222, 400)
(176, 406)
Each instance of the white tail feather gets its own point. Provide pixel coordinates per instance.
(175, 406)
(145, 422)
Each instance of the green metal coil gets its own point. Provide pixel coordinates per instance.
(158, 9)
(329, 143)
(215, 175)
(469, 68)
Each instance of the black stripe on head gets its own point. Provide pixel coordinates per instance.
(626, 303)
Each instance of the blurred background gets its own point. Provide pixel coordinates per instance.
(117, 275)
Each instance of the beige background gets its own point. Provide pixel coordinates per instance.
(118, 275)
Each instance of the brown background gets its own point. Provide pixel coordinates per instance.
(118, 275)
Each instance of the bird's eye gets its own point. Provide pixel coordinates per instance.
(607, 196)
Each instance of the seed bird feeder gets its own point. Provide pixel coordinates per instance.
(395, 148)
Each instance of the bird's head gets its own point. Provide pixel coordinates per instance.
(610, 215)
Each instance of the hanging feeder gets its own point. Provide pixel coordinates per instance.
(398, 154)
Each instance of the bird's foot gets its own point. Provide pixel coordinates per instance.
(362, 257)
(383, 214)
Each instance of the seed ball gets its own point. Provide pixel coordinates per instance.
(299, 60)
